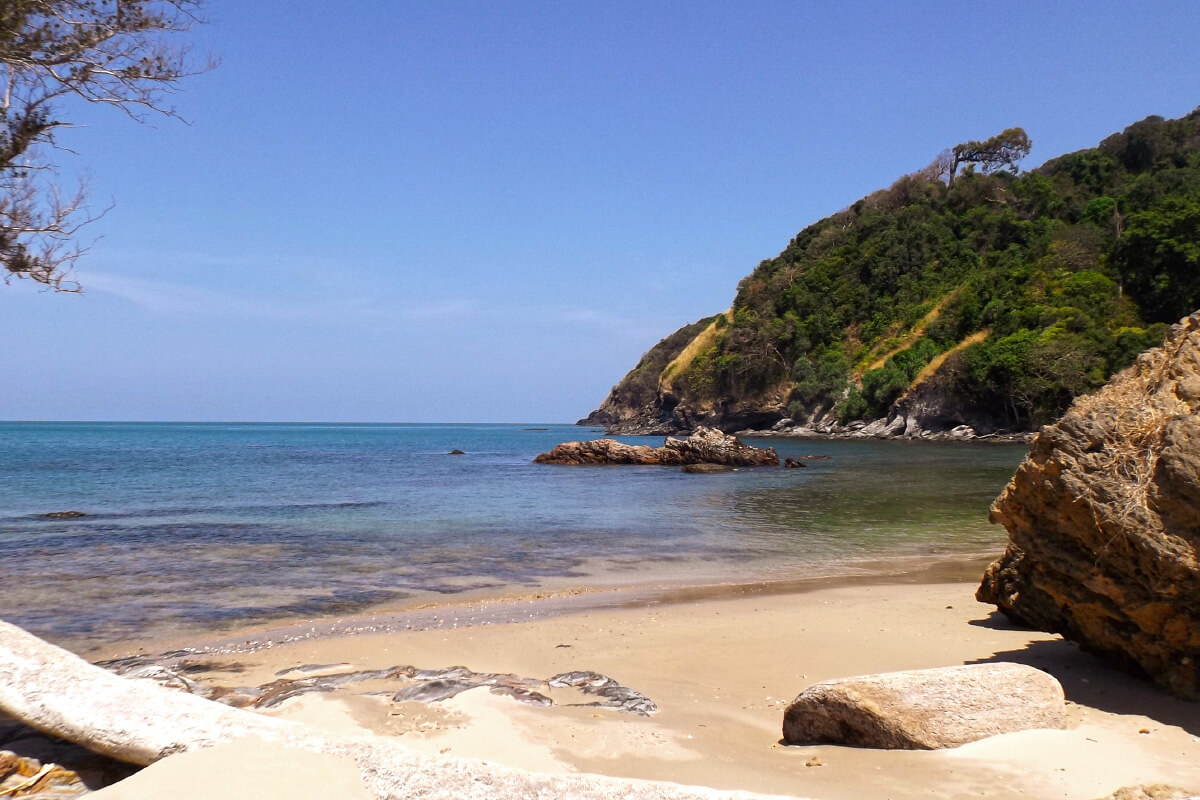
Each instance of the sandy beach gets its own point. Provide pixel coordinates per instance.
(720, 669)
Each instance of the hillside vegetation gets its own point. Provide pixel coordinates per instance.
(1007, 293)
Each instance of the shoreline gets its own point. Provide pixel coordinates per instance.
(720, 662)
(515, 604)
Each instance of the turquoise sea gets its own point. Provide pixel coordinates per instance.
(210, 526)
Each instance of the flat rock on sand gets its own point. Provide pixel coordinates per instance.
(926, 709)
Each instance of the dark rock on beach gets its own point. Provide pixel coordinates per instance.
(1103, 519)
(926, 709)
(703, 446)
(416, 685)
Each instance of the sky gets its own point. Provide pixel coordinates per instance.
(401, 211)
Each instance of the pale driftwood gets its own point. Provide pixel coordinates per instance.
(141, 722)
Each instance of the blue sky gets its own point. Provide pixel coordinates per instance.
(486, 211)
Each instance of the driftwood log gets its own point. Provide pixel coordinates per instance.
(141, 722)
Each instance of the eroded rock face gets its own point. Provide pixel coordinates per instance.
(703, 446)
(1103, 519)
(925, 709)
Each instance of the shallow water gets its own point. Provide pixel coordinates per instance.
(207, 526)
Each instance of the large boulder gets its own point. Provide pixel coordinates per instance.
(925, 709)
(1103, 519)
(703, 446)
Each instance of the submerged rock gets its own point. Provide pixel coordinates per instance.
(1103, 519)
(706, 469)
(65, 515)
(703, 446)
(925, 709)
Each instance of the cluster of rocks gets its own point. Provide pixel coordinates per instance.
(896, 427)
(1103, 519)
(703, 446)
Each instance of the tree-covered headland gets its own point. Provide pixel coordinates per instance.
(1003, 292)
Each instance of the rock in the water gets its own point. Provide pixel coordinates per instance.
(599, 451)
(456, 452)
(925, 709)
(706, 469)
(65, 515)
(1103, 519)
(703, 446)
(794, 463)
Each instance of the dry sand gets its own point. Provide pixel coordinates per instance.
(721, 672)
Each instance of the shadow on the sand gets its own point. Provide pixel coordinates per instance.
(1090, 681)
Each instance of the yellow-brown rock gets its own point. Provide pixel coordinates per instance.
(1103, 519)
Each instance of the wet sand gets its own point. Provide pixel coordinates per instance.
(721, 663)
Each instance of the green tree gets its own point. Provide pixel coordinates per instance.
(119, 53)
(1158, 257)
(1004, 149)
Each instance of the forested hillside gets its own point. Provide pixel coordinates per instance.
(990, 296)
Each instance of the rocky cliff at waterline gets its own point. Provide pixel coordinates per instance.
(1103, 519)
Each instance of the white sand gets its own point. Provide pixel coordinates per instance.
(721, 672)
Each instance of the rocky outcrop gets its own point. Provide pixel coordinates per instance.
(926, 709)
(703, 446)
(1103, 519)
(635, 401)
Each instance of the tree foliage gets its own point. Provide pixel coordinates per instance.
(1071, 270)
(120, 53)
(1005, 149)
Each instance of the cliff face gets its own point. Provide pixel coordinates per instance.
(1104, 520)
(636, 397)
(988, 303)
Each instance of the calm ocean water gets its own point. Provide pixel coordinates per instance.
(205, 526)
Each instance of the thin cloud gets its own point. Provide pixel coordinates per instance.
(167, 298)
(178, 299)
